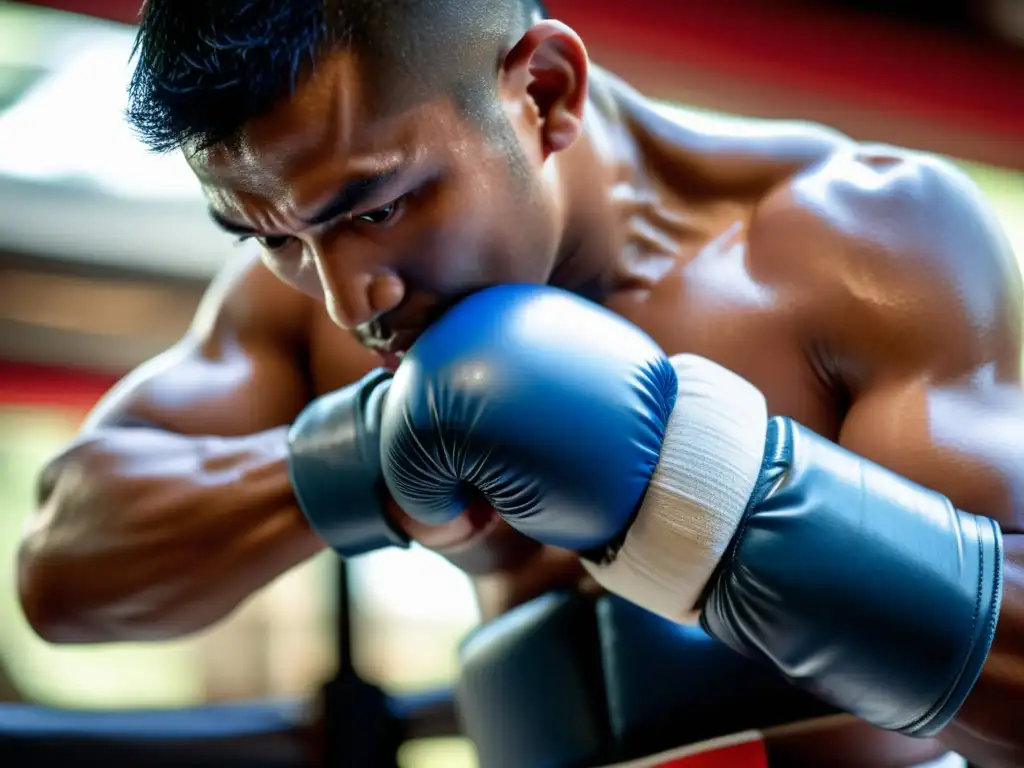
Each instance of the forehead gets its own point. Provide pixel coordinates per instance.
(336, 117)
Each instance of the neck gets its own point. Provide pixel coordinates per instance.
(606, 156)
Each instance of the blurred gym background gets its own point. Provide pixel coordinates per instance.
(105, 250)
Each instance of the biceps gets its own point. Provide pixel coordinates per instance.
(239, 369)
(954, 441)
(185, 391)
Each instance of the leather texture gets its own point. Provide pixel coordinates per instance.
(549, 406)
(870, 591)
(334, 464)
(575, 681)
(530, 691)
(669, 685)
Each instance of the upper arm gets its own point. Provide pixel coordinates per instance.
(915, 298)
(239, 368)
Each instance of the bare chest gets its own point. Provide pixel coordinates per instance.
(709, 305)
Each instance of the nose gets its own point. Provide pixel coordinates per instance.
(355, 294)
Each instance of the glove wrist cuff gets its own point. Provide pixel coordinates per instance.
(334, 466)
(847, 574)
(709, 462)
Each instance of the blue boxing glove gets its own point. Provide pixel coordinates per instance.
(334, 466)
(873, 593)
(866, 589)
(494, 400)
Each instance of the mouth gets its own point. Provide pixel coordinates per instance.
(389, 344)
(394, 333)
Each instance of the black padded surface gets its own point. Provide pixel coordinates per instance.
(530, 693)
(570, 681)
(219, 721)
(365, 729)
(670, 685)
(262, 734)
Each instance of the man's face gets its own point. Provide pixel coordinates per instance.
(387, 214)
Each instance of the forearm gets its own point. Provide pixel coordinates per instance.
(872, 592)
(147, 535)
(926, 597)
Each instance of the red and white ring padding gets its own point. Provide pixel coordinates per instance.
(710, 459)
(741, 750)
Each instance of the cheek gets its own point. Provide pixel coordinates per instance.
(448, 255)
(528, 232)
(448, 245)
(488, 233)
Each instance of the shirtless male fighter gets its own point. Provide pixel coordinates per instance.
(391, 158)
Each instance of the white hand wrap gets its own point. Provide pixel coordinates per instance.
(709, 462)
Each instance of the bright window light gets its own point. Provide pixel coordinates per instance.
(70, 129)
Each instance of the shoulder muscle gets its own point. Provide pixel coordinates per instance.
(898, 260)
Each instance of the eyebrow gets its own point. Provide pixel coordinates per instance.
(353, 193)
(229, 226)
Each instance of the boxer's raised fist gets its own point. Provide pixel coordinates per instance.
(549, 406)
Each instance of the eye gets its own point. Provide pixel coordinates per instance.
(274, 242)
(269, 243)
(381, 215)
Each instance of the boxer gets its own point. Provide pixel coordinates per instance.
(871, 592)
(389, 159)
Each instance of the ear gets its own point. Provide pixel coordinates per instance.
(547, 72)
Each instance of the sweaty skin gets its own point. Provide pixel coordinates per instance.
(867, 291)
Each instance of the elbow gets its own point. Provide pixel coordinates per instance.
(49, 625)
(57, 610)
(57, 621)
(61, 613)
(67, 592)
(42, 603)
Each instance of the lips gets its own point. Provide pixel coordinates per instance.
(401, 341)
(392, 350)
(388, 342)
(394, 332)
(390, 361)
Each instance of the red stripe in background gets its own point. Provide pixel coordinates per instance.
(883, 66)
(746, 753)
(750, 754)
(28, 385)
(126, 11)
(878, 64)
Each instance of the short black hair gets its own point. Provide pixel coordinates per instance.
(205, 69)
